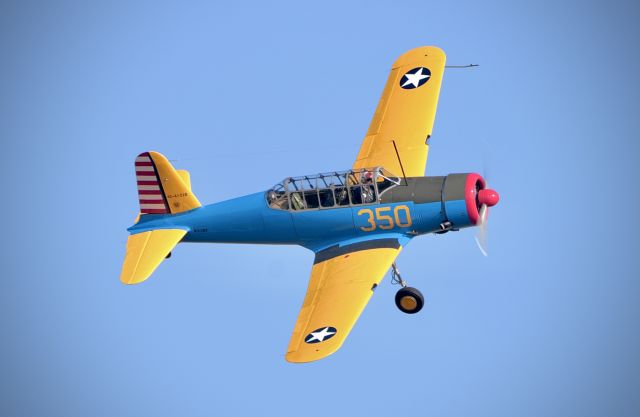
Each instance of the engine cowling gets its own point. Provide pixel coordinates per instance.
(444, 203)
(464, 195)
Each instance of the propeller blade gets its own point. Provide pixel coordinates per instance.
(481, 237)
(488, 198)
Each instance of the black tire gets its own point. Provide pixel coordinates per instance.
(168, 256)
(409, 300)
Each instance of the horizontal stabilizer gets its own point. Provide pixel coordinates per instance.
(145, 251)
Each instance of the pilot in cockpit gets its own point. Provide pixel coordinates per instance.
(368, 193)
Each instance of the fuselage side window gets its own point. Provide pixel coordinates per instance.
(297, 201)
(342, 196)
(326, 197)
(277, 198)
(368, 194)
(356, 194)
(363, 194)
(311, 198)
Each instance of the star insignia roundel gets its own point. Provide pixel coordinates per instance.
(320, 335)
(415, 78)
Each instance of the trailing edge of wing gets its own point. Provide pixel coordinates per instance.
(145, 251)
(343, 279)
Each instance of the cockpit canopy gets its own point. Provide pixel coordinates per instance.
(333, 189)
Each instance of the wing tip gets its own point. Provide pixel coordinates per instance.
(412, 55)
(298, 356)
(306, 353)
(132, 280)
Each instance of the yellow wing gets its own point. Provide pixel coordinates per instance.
(405, 114)
(145, 251)
(342, 281)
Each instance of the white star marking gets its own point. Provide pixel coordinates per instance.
(414, 78)
(321, 335)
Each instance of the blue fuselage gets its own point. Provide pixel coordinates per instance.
(249, 219)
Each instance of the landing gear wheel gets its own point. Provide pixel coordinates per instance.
(409, 300)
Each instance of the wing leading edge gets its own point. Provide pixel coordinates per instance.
(405, 113)
(343, 279)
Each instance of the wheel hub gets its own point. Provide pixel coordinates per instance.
(408, 302)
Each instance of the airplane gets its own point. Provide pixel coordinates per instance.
(356, 221)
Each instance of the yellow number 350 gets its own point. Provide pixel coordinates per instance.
(385, 221)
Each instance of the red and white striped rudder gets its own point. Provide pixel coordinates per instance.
(150, 193)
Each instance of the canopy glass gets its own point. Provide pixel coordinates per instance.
(332, 189)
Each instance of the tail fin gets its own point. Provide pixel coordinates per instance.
(161, 188)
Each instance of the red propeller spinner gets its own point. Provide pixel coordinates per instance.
(478, 200)
(488, 197)
(478, 196)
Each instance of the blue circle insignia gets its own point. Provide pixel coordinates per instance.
(320, 335)
(415, 78)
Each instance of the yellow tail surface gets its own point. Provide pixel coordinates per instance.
(161, 190)
(145, 251)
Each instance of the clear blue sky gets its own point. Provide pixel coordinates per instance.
(245, 95)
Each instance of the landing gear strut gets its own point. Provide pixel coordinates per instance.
(408, 299)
